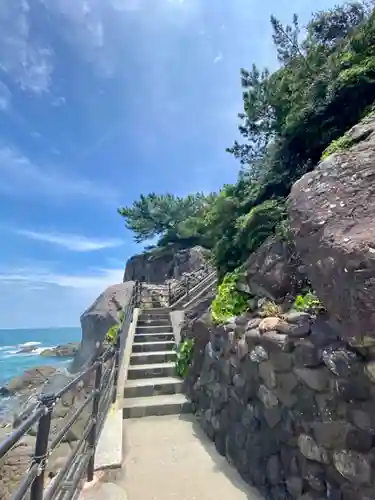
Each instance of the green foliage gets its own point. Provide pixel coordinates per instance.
(271, 309)
(154, 215)
(228, 301)
(111, 335)
(184, 357)
(309, 303)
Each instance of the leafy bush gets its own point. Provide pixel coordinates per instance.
(184, 357)
(228, 301)
(111, 335)
(309, 303)
(271, 309)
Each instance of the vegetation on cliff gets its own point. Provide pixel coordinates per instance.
(324, 85)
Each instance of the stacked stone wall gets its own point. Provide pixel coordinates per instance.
(290, 405)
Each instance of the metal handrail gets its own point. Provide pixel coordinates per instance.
(80, 463)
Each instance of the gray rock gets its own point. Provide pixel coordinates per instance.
(297, 317)
(353, 389)
(353, 466)
(307, 355)
(311, 450)
(273, 270)
(160, 265)
(258, 354)
(62, 351)
(294, 485)
(281, 361)
(99, 317)
(267, 397)
(359, 440)
(331, 434)
(341, 361)
(316, 379)
(274, 475)
(267, 373)
(332, 215)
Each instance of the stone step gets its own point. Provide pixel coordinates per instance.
(155, 311)
(154, 329)
(168, 345)
(151, 370)
(153, 337)
(145, 358)
(153, 322)
(152, 387)
(172, 404)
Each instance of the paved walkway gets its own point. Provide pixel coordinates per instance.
(170, 458)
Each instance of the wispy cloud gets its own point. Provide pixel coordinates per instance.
(22, 58)
(21, 177)
(218, 58)
(73, 242)
(5, 97)
(95, 281)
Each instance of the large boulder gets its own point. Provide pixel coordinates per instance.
(99, 317)
(162, 264)
(273, 271)
(332, 214)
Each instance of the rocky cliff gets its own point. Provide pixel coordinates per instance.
(164, 264)
(332, 213)
(99, 317)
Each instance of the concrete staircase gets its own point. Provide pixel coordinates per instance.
(152, 387)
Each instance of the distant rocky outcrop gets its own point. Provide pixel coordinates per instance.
(162, 264)
(61, 351)
(99, 317)
(332, 213)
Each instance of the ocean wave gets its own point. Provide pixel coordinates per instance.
(29, 344)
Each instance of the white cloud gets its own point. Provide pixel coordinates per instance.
(218, 58)
(21, 177)
(22, 58)
(74, 242)
(50, 298)
(97, 281)
(5, 97)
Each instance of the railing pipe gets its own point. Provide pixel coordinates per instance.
(41, 446)
(95, 411)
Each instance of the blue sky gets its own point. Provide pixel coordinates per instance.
(100, 101)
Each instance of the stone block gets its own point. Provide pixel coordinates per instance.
(281, 361)
(353, 389)
(311, 450)
(267, 397)
(267, 373)
(354, 466)
(316, 379)
(307, 355)
(341, 361)
(258, 354)
(331, 434)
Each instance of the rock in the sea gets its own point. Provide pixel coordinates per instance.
(61, 351)
(332, 215)
(34, 377)
(99, 317)
(168, 263)
(272, 271)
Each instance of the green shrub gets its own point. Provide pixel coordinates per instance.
(111, 335)
(121, 316)
(228, 301)
(184, 357)
(271, 309)
(309, 303)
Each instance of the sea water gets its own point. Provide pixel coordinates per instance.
(13, 362)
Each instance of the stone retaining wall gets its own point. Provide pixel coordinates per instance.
(290, 405)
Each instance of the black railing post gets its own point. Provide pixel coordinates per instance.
(169, 294)
(187, 286)
(117, 365)
(41, 446)
(94, 419)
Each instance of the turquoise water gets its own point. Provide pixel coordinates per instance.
(13, 363)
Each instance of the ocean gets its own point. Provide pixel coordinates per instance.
(13, 363)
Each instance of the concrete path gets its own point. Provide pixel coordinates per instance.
(170, 458)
